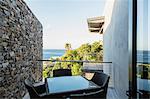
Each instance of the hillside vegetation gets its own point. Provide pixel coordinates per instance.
(90, 52)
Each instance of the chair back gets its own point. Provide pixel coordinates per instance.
(102, 80)
(62, 72)
(30, 88)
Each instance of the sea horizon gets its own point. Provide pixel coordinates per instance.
(54, 49)
(53, 53)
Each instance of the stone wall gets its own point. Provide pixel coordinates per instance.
(20, 47)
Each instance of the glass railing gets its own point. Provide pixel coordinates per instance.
(143, 76)
(78, 67)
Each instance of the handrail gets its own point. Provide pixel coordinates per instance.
(77, 61)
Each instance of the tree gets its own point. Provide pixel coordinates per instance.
(84, 49)
(67, 46)
(90, 52)
(97, 51)
(96, 47)
(76, 69)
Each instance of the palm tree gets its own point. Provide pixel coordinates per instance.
(67, 46)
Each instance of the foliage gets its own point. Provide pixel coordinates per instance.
(84, 49)
(143, 69)
(90, 52)
(47, 72)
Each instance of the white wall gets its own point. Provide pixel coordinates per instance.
(116, 43)
(108, 12)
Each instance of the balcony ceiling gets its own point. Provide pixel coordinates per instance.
(96, 24)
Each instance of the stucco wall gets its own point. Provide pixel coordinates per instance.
(20, 47)
(116, 45)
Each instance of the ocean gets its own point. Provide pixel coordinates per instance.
(142, 56)
(52, 53)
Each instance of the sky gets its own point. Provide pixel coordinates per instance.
(65, 21)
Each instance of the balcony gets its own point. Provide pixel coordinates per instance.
(86, 69)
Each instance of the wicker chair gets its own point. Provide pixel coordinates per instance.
(39, 92)
(88, 94)
(35, 91)
(102, 80)
(62, 72)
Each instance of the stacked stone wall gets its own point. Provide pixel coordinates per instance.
(20, 48)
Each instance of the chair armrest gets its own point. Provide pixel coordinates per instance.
(40, 87)
(87, 94)
(42, 94)
(38, 84)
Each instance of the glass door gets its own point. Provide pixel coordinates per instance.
(143, 47)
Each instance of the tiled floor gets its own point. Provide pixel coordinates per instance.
(26, 96)
(110, 95)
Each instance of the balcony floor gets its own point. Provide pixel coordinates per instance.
(111, 94)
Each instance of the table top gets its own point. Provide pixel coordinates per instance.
(68, 83)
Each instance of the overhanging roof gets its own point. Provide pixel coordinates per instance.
(96, 24)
